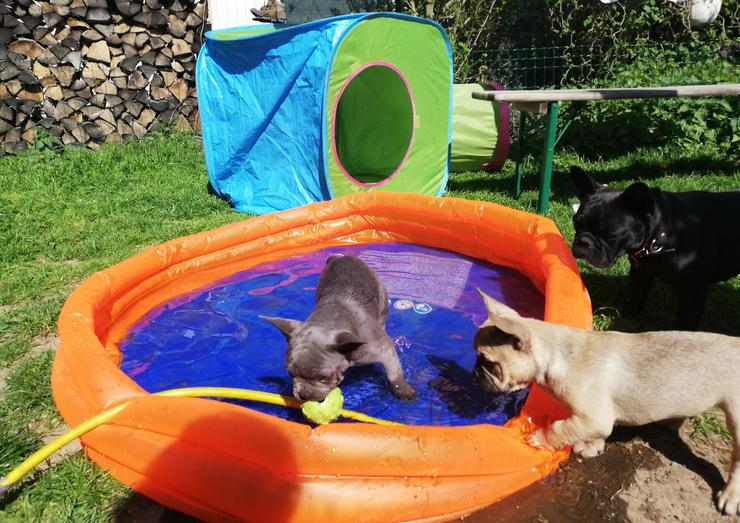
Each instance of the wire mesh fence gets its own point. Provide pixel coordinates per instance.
(581, 66)
(615, 66)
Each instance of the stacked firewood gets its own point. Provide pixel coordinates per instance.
(91, 71)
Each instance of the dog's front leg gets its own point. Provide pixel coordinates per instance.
(728, 500)
(640, 283)
(393, 371)
(692, 297)
(586, 435)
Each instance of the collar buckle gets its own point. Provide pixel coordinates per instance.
(652, 248)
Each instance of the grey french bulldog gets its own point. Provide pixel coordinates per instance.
(608, 378)
(346, 328)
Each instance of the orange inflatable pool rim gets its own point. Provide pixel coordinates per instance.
(222, 462)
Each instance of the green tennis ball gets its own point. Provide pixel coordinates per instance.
(326, 411)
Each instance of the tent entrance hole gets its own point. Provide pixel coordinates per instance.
(373, 124)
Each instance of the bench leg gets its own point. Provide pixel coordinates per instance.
(520, 155)
(547, 156)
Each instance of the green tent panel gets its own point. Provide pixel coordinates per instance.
(480, 130)
(388, 108)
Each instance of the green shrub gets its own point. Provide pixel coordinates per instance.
(626, 124)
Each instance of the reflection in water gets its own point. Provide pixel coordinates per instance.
(214, 337)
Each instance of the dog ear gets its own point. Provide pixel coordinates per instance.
(638, 199)
(495, 307)
(507, 319)
(287, 327)
(584, 183)
(346, 343)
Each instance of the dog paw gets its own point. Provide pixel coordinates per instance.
(404, 391)
(538, 440)
(589, 448)
(728, 502)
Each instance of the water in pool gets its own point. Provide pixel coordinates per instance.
(214, 337)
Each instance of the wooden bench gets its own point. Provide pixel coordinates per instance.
(547, 102)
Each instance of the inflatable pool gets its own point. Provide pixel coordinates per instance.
(186, 314)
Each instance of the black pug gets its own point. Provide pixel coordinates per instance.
(687, 239)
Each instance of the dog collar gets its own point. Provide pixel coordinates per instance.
(655, 246)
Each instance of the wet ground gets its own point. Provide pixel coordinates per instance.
(647, 474)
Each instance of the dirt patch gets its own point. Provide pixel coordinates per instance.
(70, 448)
(42, 343)
(4, 373)
(46, 261)
(649, 474)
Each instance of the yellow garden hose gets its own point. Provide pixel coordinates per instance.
(200, 392)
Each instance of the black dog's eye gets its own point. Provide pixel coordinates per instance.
(324, 380)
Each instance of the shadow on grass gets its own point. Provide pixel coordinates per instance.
(609, 295)
(649, 169)
(665, 438)
(564, 191)
(213, 192)
(480, 182)
(13, 493)
(140, 509)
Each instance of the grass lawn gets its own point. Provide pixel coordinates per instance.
(63, 217)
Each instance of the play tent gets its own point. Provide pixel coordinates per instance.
(298, 114)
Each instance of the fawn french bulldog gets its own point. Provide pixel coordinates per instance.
(609, 378)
